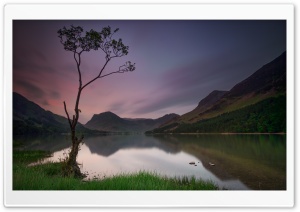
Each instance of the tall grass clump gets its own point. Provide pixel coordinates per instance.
(151, 181)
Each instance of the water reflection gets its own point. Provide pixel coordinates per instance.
(240, 161)
(107, 145)
(259, 161)
(42, 142)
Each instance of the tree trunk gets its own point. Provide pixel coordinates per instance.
(71, 167)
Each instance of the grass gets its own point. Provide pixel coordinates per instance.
(48, 177)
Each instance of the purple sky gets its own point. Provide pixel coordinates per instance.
(177, 64)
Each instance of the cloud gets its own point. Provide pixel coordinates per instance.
(34, 91)
(29, 60)
(55, 95)
(187, 85)
(36, 94)
(117, 107)
(168, 99)
(180, 87)
(45, 102)
(39, 55)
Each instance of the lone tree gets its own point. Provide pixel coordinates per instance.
(74, 41)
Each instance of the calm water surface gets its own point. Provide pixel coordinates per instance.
(235, 162)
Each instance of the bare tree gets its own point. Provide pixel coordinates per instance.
(73, 41)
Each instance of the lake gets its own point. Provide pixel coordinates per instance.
(234, 162)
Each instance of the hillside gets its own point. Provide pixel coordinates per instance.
(267, 82)
(109, 121)
(203, 106)
(262, 117)
(30, 118)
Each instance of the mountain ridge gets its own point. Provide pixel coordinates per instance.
(109, 121)
(30, 118)
(269, 81)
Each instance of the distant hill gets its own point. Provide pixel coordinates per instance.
(30, 118)
(267, 82)
(109, 121)
(203, 105)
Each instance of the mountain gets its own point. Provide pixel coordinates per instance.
(109, 121)
(30, 118)
(203, 106)
(269, 82)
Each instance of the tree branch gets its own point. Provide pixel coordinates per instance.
(78, 61)
(114, 72)
(96, 76)
(67, 115)
(75, 119)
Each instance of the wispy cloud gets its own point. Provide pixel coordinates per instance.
(34, 90)
(55, 95)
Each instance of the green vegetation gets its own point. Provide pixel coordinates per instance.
(48, 177)
(267, 116)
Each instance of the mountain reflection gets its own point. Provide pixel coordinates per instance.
(110, 144)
